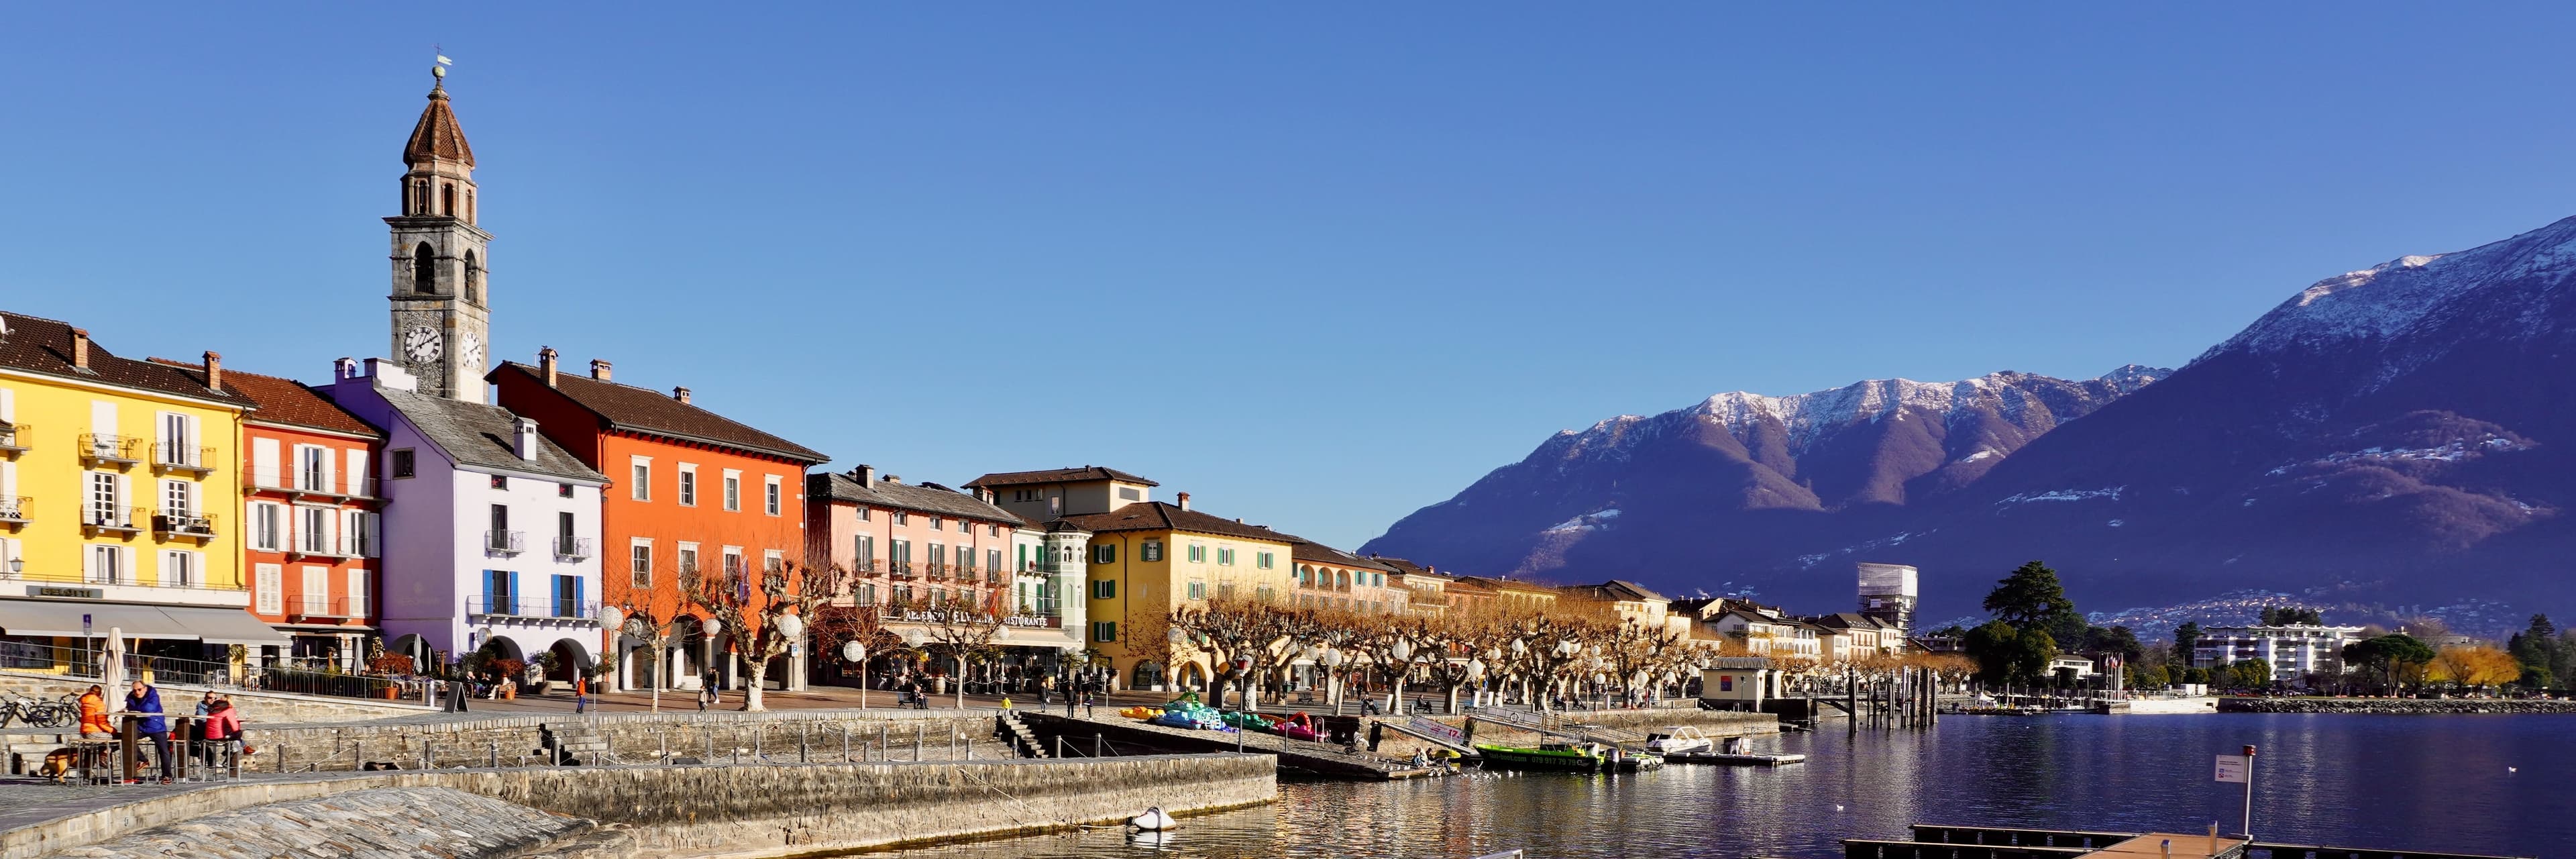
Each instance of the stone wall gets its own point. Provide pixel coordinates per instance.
(1715, 723)
(2405, 706)
(255, 706)
(794, 736)
(686, 811)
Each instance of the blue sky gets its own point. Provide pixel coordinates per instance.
(1318, 266)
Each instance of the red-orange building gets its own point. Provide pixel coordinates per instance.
(689, 489)
(310, 534)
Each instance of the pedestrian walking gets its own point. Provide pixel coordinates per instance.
(580, 694)
(1088, 703)
(146, 700)
(707, 690)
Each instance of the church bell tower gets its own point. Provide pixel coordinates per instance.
(441, 310)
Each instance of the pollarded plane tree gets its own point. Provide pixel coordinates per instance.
(760, 614)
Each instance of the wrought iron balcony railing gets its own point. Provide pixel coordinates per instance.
(109, 517)
(532, 606)
(574, 548)
(98, 448)
(13, 438)
(174, 456)
(14, 509)
(318, 607)
(198, 525)
(506, 542)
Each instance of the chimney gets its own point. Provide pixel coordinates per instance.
(898, 481)
(599, 369)
(345, 368)
(680, 394)
(1184, 499)
(214, 371)
(526, 443)
(80, 348)
(391, 376)
(546, 364)
(866, 475)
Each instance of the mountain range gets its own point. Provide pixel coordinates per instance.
(2392, 434)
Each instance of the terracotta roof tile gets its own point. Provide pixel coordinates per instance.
(1158, 516)
(437, 135)
(283, 401)
(1057, 475)
(925, 498)
(44, 346)
(643, 410)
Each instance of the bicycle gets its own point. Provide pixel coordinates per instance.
(59, 713)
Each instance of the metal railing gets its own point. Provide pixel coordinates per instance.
(901, 570)
(172, 454)
(101, 447)
(320, 607)
(14, 508)
(938, 572)
(108, 517)
(512, 542)
(531, 606)
(184, 524)
(89, 663)
(572, 547)
(13, 437)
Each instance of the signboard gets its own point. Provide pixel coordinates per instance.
(2233, 768)
(1424, 726)
(75, 593)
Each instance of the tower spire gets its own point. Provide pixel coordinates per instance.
(441, 317)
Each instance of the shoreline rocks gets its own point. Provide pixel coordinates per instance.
(2394, 706)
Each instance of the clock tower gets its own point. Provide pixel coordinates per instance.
(442, 322)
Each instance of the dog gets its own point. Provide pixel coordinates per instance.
(59, 763)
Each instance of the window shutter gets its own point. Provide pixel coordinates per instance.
(487, 591)
(357, 472)
(263, 461)
(515, 594)
(102, 417)
(8, 405)
(580, 595)
(330, 481)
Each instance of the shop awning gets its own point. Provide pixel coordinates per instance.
(168, 623)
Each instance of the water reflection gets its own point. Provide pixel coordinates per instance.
(2426, 782)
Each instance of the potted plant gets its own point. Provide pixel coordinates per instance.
(548, 663)
(511, 671)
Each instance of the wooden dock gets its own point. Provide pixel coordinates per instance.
(1988, 842)
(1739, 760)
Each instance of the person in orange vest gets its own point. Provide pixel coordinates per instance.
(93, 712)
(580, 694)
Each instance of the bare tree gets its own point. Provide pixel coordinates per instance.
(748, 604)
(963, 630)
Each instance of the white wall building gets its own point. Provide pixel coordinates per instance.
(2294, 649)
(491, 532)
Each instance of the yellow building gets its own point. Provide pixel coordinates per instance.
(120, 500)
(1149, 558)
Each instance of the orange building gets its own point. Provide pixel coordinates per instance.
(691, 490)
(310, 534)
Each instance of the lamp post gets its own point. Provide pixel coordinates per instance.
(1332, 662)
(855, 652)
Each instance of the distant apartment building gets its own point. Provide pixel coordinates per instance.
(1429, 587)
(1632, 602)
(920, 552)
(1758, 629)
(1327, 577)
(1847, 636)
(2294, 650)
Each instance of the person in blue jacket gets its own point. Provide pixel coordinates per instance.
(146, 700)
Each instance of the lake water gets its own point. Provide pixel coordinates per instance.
(2421, 782)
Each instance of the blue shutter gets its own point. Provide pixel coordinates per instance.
(487, 591)
(579, 599)
(515, 593)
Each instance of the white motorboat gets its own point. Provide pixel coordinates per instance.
(1678, 739)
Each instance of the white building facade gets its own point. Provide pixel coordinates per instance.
(2294, 650)
(490, 531)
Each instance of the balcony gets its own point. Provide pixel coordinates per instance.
(99, 519)
(13, 439)
(532, 607)
(866, 567)
(318, 544)
(505, 542)
(169, 456)
(572, 548)
(13, 510)
(315, 485)
(937, 572)
(901, 570)
(192, 526)
(116, 450)
(325, 609)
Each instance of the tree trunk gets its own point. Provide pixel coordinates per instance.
(751, 692)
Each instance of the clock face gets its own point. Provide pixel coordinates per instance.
(469, 351)
(421, 343)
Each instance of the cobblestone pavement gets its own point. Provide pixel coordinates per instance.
(421, 821)
(26, 800)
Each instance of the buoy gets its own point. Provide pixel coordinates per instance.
(1153, 820)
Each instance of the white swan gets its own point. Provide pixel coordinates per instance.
(1153, 820)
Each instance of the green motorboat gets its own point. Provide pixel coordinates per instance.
(1577, 757)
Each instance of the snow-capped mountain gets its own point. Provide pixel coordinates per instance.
(2395, 432)
(1877, 442)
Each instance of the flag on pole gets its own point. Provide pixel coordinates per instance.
(444, 61)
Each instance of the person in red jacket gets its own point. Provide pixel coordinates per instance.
(223, 728)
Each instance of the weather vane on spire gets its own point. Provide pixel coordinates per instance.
(439, 71)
